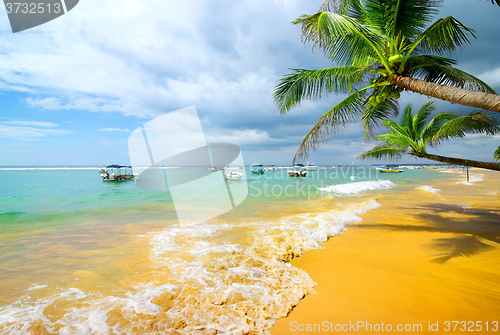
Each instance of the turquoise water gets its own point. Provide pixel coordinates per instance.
(64, 190)
(69, 239)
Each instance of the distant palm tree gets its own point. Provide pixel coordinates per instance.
(413, 133)
(496, 155)
(393, 45)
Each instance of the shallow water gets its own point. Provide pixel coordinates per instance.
(80, 256)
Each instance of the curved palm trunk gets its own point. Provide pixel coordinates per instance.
(460, 96)
(462, 162)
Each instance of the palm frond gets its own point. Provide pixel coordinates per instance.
(450, 76)
(383, 151)
(335, 6)
(444, 35)
(401, 134)
(406, 118)
(416, 61)
(408, 17)
(397, 139)
(478, 122)
(434, 124)
(373, 115)
(419, 121)
(327, 126)
(352, 8)
(326, 30)
(496, 155)
(312, 84)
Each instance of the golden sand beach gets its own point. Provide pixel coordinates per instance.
(426, 257)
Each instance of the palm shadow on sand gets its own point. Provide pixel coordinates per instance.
(471, 235)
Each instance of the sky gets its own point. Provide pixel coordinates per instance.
(73, 90)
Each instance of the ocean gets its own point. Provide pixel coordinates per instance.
(82, 256)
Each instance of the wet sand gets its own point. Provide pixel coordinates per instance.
(421, 258)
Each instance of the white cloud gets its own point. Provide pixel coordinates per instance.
(121, 57)
(28, 133)
(241, 137)
(88, 104)
(31, 123)
(491, 77)
(114, 129)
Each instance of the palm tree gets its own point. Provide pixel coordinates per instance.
(496, 155)
(388, 43)
(413, 133)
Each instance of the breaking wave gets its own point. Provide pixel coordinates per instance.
(358, 187)
(229, 278)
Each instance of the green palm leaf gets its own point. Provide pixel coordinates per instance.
(408, 17)
(447, 75)
(372, 116)
(444, 35)
(352, 8)
(418, 122)
(478, 122)
(326, 30)
(412, 134)
(311, 84)
(338, 116)
(383, 151)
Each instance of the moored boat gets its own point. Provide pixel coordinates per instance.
(297, 171)
(257, 169)
(385, 169)
(270, 168)
(215, 168)
(116, 172)
(231, 172)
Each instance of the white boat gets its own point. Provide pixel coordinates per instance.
(385, 169)
(215, 168)
(231, 173)
(311, 167)
(270, 168)
(116, 172)
(297, 171)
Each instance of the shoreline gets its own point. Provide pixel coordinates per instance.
(420, 258)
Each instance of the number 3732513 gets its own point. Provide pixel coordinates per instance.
(32, 8)
(470, 326)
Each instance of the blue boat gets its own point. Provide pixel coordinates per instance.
(258, 169)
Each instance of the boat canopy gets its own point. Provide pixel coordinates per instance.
(114, 166)
(233, 166)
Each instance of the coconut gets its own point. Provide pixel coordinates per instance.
(392, 59)
(400, 58)
(395, 95)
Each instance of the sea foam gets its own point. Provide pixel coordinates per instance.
(473, 178)
(358, 187)
(428, 189)
(228, 278)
